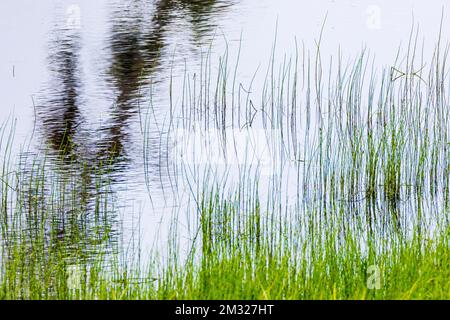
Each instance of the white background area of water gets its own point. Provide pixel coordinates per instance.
(26, 28)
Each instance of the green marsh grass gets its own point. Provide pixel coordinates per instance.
(358, 186)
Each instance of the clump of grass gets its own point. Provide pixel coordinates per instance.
(243, 256)
(52, 222)
(359, 177)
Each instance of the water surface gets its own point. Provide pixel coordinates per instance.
(95, 76)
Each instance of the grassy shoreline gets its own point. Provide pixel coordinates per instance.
(237, 259)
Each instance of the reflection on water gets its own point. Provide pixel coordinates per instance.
(136, 42)
(61, 115)
(135, 47)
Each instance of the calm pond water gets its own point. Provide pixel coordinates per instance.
(91, 75)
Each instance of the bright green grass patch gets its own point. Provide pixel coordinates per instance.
(245, 258)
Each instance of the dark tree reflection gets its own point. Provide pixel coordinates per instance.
(137, 42)
(60, 112)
